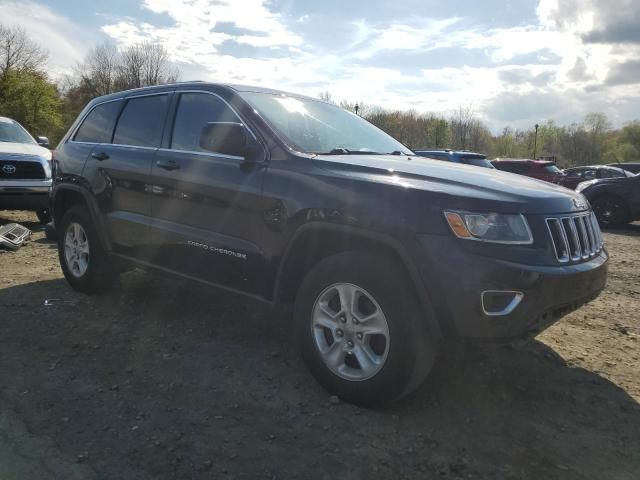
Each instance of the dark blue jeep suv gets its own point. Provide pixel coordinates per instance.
(291, 200)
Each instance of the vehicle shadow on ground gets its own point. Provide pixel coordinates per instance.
(631, 229)
(165, 379)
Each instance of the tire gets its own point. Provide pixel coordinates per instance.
(44, 216)
(404, 352)
(86, 266)
(611, 211)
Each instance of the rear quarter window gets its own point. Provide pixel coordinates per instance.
(142, 121)
(97, 127)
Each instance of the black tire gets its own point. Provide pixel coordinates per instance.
(100, 273)
(411, 350)
(611, 211)
(44, 216)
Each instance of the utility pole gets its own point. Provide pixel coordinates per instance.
(535, 143)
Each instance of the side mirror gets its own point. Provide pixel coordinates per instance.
(229, 138)
(43, 141)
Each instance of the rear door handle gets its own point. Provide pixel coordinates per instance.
(100, 156)
(168, 164)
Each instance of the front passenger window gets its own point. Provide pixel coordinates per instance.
(195, 112)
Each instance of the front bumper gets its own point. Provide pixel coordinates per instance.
(457, 279)
(25, 194)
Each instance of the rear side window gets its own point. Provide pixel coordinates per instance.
(142, 121)
(195, 111)
(610, 173)
(513, 167)
(97, 127)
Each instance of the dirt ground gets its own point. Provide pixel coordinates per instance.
(161, 379)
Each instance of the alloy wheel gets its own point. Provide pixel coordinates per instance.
(350, 331)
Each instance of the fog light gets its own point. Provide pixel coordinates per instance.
(496, 303)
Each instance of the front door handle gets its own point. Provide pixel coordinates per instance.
(100, 156)
(168, 164)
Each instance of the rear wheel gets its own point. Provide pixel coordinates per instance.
(360, 329)
(84, 262)
(611, 211)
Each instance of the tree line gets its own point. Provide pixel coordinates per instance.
(47, 107)
(592, 141)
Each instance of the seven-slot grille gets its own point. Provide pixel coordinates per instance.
(575, 237)
(23, 170)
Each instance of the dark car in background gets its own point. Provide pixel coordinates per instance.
(290, 200)
(467, 158)
(540, 169)
(576, 175)
(25, 170)
(615, 201)
(633, 167)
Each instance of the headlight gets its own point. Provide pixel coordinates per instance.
(582, 185)
(490, 227)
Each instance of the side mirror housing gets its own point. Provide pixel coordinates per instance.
(230, 138)
(43, 141)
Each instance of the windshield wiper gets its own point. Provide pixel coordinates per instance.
(346, 151)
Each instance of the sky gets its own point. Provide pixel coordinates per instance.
(514, 62)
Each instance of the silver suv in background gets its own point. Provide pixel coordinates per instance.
(25, 170)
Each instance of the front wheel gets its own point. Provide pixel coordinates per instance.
(611, 211)
(360, 329)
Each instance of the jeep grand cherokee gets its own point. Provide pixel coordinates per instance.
(288, 199)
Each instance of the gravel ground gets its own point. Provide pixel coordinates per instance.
(161, 379)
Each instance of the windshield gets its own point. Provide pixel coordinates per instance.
(312, 126)
(11, 131)
(552, 169)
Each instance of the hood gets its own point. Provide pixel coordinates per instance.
(466, 186)
(15, 150)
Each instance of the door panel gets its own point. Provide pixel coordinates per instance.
(207, 218)
(121, 185)
(120, 172)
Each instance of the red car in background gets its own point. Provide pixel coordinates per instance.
(540, 169)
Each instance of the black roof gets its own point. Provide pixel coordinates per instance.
(200, 84)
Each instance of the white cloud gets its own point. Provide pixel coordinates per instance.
(361, 59)
(65, 41)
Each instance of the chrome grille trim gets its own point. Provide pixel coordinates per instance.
(575, 237)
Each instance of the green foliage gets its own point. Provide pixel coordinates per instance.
(591, 142)
(31, 99)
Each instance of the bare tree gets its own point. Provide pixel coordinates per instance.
(19, 52)
(462, 122)
(145, 64)
(99, 69)
(326, 97)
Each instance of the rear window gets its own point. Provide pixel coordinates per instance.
(97, 127)
(552, 169)
(142, 121)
